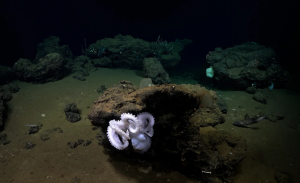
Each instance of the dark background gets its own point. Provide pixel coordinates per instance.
(210, 24)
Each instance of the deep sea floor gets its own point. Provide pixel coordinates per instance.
(272, 146)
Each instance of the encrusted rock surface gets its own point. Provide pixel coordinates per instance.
(184, 133)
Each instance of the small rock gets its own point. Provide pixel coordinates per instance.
(260, 97)
(80, 141)
(29, 145)
(45, 137)
(3, 139)
(72, 113)
(101, 89)
(87, 142)
(72, 144)
(35, 129)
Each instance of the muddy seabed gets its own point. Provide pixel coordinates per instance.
(271, 148)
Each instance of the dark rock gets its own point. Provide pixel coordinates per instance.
(12, 88)
(80, 141)
(56, 129)
(95, 128)
(78, 76)
(241, 66)
(51, 45)
(72, 113)
(279, 116)
(3, 136)
(260, 97)
(48, 68)
(46, 135)
(4, 142)
(222, 105)
(72, 144)
(2, 112)
(251, 89)
(29, 145)
(80, 66)
(101, 136)
(7, 75)
(7, 90)
(128, 52)
(101, 89)
(87, 142)
(274, 116)
(82, 72)
(72, 107)
(5, 96)
(3, 139)
(73, 117)
(154, 70)
(79, 62)
(35, 129)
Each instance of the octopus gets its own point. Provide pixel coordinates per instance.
(138, 129)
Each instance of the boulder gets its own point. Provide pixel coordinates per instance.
(184, 134)
(48, 68)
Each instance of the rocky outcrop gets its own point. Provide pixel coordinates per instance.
(241, 66)
(48, 68)
(52, 45)
(6, 74)
(154, 70)
(184, 133)
(5, 96)
(128, 52)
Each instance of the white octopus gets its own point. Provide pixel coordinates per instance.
(138, 129)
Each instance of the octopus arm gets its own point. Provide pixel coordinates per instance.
(115, 140)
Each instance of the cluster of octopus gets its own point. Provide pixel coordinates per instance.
(138, 129)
